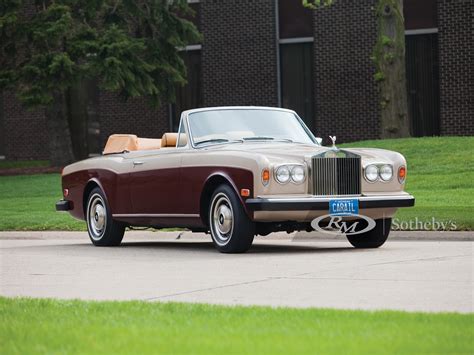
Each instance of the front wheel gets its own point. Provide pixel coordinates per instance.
(231, 229)
(102, 229)
(374, 238)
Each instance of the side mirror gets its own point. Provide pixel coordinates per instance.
(319, 140)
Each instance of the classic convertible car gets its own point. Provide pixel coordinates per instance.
(236, 172)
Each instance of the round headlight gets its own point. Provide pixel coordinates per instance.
(386, 172)
(371, 173)
(297, 174)
(282, 174)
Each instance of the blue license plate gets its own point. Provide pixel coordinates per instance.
(341, 207)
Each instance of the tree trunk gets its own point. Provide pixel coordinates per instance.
(60, 146)
(77, 101)
(389, 57)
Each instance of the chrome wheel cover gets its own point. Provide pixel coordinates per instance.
(221, 219)
(96, 217)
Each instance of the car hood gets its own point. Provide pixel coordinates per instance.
(296, 151)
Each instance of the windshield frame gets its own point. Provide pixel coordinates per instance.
(191, 112)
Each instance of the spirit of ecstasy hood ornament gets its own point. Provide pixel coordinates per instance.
(333, 139)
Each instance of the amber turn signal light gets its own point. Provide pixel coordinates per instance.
(402, 173)
(245, 192)
(265, 176)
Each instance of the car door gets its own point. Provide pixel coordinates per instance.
(155, 179)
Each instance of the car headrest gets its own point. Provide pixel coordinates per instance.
(119, 143)
(169, 140)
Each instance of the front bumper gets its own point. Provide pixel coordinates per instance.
(322, 203)
(63, 205)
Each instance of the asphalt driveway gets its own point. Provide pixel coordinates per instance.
(414, 272)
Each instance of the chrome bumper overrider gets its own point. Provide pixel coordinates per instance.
(322, 203)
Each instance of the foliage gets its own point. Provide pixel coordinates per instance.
(131, 46)
(313, 4)
(440, 175)
(8, 33)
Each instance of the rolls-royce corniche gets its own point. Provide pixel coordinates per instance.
(236, 172)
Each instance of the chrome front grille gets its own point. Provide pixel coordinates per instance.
(336, 176)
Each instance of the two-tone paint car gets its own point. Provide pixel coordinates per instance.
(234, 172)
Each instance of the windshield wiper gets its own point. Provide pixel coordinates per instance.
(214, 140)
(219, 140)
(258, 138)
(285, 140)
(264, 138)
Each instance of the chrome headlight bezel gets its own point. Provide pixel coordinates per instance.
(381, 172)
(282, 169)
(302, 172)
(293, 170)
(374, 172)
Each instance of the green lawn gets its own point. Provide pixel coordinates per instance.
(50, 326)
(27, 202)
(440, 176)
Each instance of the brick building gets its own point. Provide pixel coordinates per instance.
(277, 53)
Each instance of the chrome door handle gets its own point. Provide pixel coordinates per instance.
(135, 163)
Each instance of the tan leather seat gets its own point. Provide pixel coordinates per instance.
(169, 140)
(148, 143)
(119, 143)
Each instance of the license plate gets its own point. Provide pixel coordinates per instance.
(345, 207)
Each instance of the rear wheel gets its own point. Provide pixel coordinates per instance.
(231, 229)
(102, 229)
(374, 238)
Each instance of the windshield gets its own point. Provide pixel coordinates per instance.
(241, 125)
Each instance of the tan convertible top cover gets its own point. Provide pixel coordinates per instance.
(120, 143)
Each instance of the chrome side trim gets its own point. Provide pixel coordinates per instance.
(155, 215)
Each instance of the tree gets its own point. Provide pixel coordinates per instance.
(389, 60)
(129, 46)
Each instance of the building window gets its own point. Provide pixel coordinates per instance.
(297, 79)
(423, 84)
(294, 19)
(188, 96)
(420, 14)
